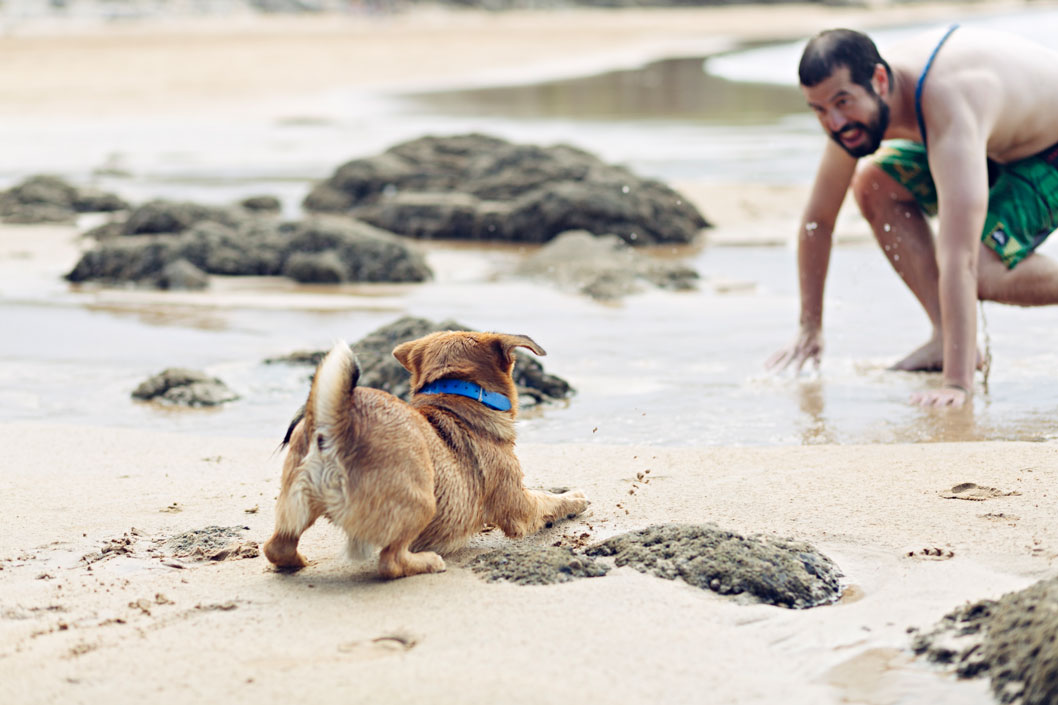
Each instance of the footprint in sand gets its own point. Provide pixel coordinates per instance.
(975, 493)
(379, 647)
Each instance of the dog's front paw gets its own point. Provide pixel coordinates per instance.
(574, 503)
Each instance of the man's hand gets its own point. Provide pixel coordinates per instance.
(807, 346)
(950, 395)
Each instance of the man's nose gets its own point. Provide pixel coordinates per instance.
(835, 120)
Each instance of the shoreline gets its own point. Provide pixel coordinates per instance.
(184, 66)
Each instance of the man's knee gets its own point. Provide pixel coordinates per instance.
(875, 191)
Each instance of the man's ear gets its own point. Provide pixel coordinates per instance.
(880, 81)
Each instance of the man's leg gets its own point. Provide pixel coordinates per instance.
(1032, 282)
(902, 231)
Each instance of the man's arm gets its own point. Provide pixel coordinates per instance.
(814, 242)
(958, 162)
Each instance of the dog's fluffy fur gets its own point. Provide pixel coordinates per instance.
(412, 479)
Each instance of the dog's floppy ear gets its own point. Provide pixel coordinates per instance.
(507, 343)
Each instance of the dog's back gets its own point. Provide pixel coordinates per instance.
(418, 478)
(358, 457)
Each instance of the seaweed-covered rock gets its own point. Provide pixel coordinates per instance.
(775, 571)
(317, 250)
(1012, 640)
(479, 187)
(261, 204)
(183, 387)
(49, 199)
(603, 267)
(379, 369)
(536, 565)
(162, 216)
(182, 275)
(366, 253)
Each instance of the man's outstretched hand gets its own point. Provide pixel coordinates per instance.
(807, 346)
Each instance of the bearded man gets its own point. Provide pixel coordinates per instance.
(962, 125)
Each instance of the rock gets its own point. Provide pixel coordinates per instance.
(1012, 640)
(182, 275)
(536, 565)
(49, 199)
(478, 187)
(774, 571)
(126, 260)
(379, 369)
(183, 387)
(315, 267)
(253, 247)
(261, 204)
(603, 267)
(366, 253)
(161, 216)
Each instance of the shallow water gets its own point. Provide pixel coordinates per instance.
(663, 368)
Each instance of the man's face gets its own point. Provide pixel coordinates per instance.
(854, 116)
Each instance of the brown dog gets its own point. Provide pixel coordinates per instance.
(413, 479)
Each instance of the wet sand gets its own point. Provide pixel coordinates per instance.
(96, 606)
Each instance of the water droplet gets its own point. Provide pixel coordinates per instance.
(811, 226)
(625, 189)
(887, 227)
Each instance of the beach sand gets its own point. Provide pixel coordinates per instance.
(96, 607)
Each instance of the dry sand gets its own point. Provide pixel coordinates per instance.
(131, 626)
(134, 624)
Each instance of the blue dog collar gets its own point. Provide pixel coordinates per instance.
(493, 400)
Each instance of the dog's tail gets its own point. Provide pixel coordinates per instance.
(335, 378)
(334, 383)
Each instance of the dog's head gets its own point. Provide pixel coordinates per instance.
(482, 358)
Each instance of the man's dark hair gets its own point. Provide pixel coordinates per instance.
(832, 48)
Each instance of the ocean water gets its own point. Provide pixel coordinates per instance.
(659, 367)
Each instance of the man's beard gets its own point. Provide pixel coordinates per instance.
(873, 133)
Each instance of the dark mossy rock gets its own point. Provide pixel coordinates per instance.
(478, 187)
(1013, 641)
(261, 204)
(182, 275)
(50, 199)
(379, 369)
(774, 571)
(183, 387)
(327, 250)
(162, 216)
(536, 565)
(366, 254)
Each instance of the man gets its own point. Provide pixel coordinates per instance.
(973, 116)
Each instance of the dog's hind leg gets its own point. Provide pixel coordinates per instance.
(295, 512)
(396, 561)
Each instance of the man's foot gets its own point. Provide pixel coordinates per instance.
(929, 358)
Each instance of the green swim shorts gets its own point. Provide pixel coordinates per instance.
(1022, 198)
